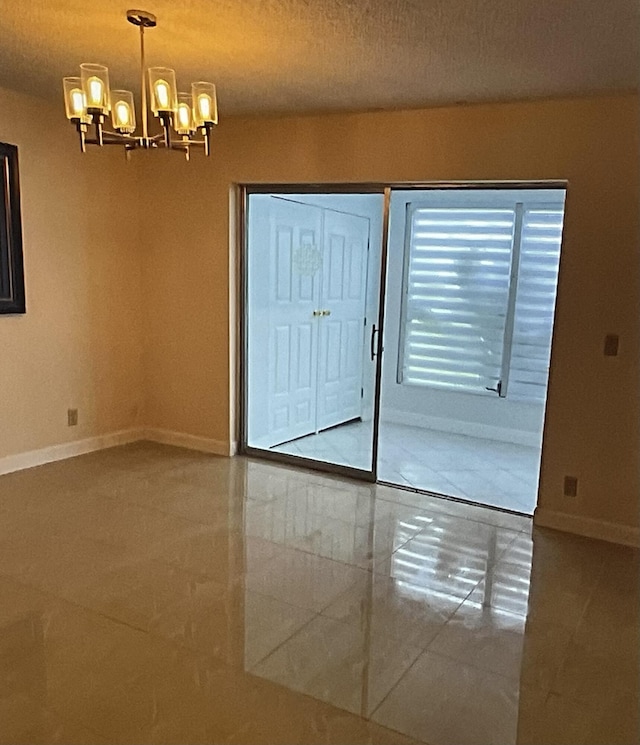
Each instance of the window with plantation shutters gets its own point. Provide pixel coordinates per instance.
(479, 294)
(530, 349)
(457, 286)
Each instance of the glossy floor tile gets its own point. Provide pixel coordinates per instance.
(487, 472)
(156, 595)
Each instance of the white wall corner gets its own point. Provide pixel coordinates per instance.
(626, 535)
(39, 457)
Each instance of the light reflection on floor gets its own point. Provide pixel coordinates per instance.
(155, 595)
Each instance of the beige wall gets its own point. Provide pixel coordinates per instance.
(92, 340)
(79, 344)
(593, 410)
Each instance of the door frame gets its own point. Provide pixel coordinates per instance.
(245, 190)
(385, 188)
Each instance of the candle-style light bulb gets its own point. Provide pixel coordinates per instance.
(162, 95)
(162, 85)
(95, 86)
(95, 91)
(205, 107)
(123, 112)
(184, 116)
(75, 101)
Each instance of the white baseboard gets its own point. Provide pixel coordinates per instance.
(192, 442)
(32, 458)
(457, 427)
(39, 457)
(626, 535)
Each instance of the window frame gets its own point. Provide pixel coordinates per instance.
(478, 196)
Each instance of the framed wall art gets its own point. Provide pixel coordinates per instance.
(12, 294)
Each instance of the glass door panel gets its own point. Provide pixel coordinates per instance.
(471, 287)
(312, 273)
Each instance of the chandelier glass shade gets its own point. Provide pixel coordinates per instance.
(187, 119)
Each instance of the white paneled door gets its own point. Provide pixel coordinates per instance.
(341, 337)
(294, 294)
(307, 295)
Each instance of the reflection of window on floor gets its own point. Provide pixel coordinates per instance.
(479, 294)
(485, 566)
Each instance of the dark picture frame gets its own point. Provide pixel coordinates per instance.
(12, 293)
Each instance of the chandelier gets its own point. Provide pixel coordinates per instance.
(183, 116)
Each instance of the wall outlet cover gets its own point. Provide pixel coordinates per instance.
(570, 486)
(611, 343)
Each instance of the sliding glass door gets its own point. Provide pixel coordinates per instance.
(312, 297)
(465, 277)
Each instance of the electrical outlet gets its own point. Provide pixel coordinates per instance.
(72, 417)
(570, 486)
(611, 343)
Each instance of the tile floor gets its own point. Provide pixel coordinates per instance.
(156, 595)
(483, 471)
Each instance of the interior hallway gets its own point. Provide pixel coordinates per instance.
(484, 471)
(157, 595)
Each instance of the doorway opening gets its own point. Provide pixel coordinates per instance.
(456, 284)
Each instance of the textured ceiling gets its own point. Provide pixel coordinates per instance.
(310, 55)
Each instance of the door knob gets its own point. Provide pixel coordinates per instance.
(326, 312)
(318, 312)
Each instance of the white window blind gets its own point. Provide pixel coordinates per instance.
(457, 283)
(535, 302)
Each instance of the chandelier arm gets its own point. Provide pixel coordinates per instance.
(187, 142)
(118, 137)
(97, 125)
(93, 141)
(82, 129)
(114, 138)
(165, 120)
